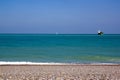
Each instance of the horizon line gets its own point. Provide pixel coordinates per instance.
(58, 33)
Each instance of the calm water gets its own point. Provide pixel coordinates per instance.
(60, 48)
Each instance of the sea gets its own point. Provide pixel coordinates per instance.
(60, 48)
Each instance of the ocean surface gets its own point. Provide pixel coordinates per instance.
(61, 48)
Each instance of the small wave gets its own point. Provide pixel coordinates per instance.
(28, 63)
(51, 63)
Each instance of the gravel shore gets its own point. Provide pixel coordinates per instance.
(60, 72)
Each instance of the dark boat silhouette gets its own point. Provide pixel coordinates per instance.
(100, 32)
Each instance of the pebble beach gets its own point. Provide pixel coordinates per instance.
(60, 72)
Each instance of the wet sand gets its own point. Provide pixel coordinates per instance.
(60, 72)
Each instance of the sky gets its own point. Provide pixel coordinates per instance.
(61, 16)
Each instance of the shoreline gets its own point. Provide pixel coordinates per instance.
(53, 63)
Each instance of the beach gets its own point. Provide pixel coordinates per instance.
(60, 72)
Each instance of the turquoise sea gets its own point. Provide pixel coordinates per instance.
(61, 48)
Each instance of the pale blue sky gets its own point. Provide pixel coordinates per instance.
(62, 16)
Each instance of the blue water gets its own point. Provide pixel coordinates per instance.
(62, 48)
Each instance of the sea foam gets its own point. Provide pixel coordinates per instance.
(51, 63)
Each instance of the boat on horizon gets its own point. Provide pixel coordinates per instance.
(100, 32)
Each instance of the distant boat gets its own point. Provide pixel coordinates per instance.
(100, 32)
(56, 33)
